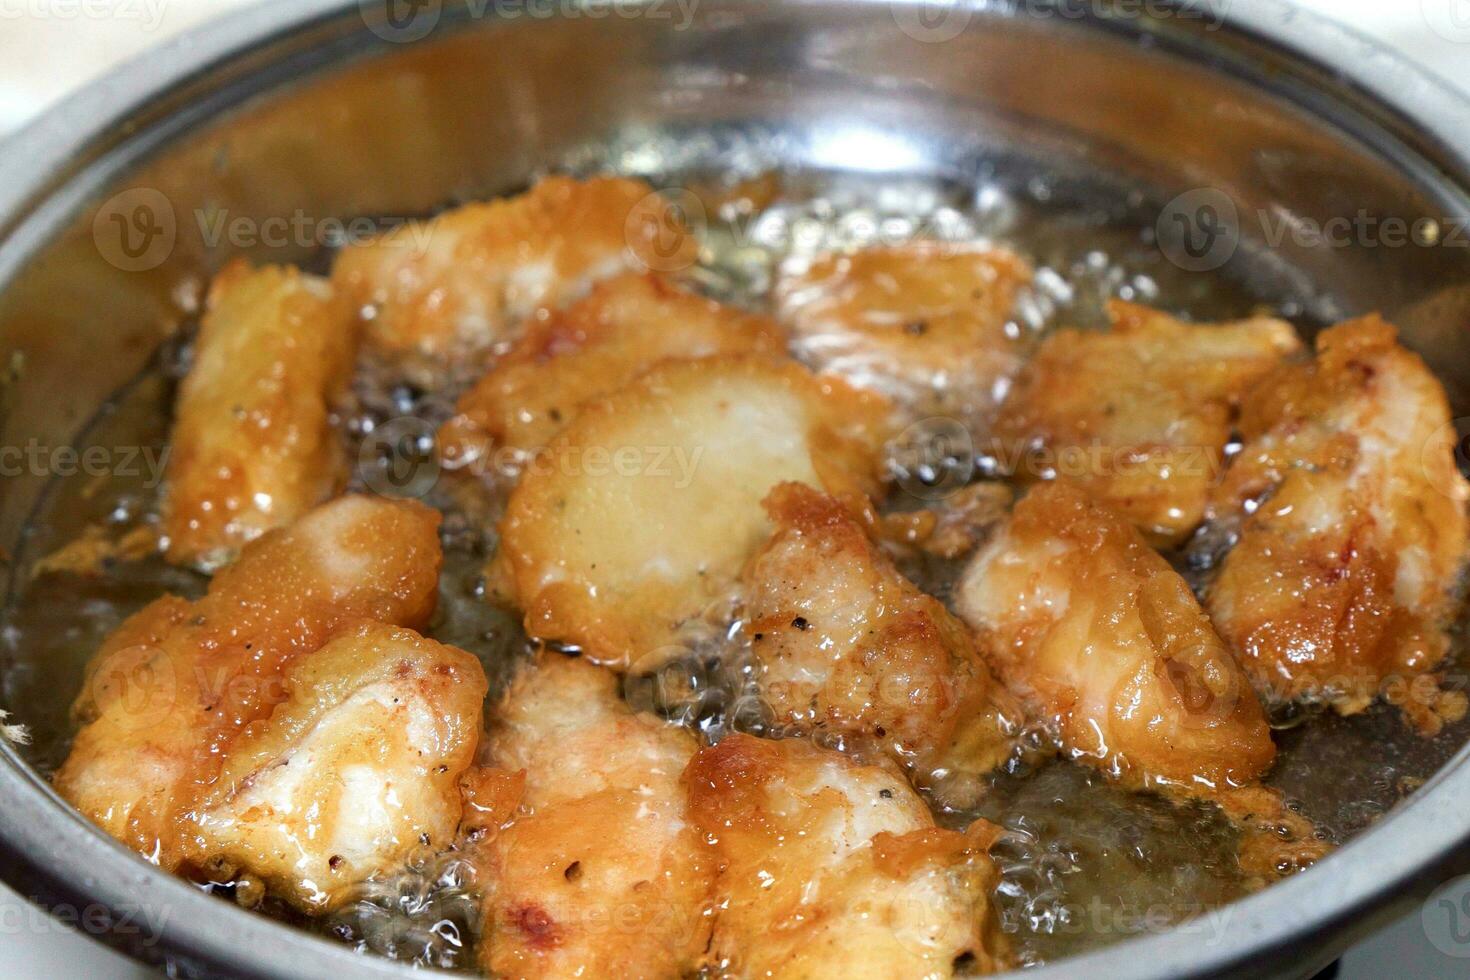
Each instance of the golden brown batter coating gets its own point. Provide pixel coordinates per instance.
(357, 768)
(830, 868)
(930, 324)
(845, 644)
(587, 351)
(1106, 643)
(642, 512)
(601, 873)
(444, 292)
(170, 691)
(1139, 415)
(1354, 529)
(253, 444)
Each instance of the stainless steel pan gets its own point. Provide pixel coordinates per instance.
(339, 108)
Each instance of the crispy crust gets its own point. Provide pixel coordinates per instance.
(173, 688)
(600, 872)
(1106, 643)
(832, 868)
(930, 324)
(253, 445)
(444, 292)
(353, 772)
(1139, 415)
(586, 352)
(617, 559)
(1340, 585)
(847, 645)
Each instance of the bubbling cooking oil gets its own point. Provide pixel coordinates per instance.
(1083, 862)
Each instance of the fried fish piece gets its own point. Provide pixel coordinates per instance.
(641, 514)
(845, 644)
(586, 352)
(170, 691)
(830, 868)
(1106, 643)
(1139, 415)
(253, 445)
(931, 324)
(601, 873)
(444, 292)
(1354, 529)
(356, 769)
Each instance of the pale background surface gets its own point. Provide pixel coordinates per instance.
(44, 55)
